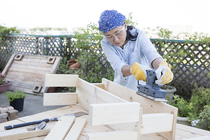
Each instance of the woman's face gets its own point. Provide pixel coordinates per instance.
(117, 36)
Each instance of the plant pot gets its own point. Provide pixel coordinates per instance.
(73, 64)
(169, 90)
(4, 87)
(18, 104)
(183, 120)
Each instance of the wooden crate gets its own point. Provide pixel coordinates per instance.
(108, 103)
(27, 72)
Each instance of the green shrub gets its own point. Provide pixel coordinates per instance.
(200, 98)
(184, 107)
(204, 118)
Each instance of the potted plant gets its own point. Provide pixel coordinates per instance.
(169, 90)
(4, 85)
(16, 99)
(73, 64)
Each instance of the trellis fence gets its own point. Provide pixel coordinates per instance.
(190, 60)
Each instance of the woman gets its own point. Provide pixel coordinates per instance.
(130, 52)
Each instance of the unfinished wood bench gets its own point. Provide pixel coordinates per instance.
(115, 113)
(115, 106)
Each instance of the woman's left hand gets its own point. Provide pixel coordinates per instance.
(164, 74)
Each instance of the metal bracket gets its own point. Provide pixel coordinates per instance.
(18, 57)
(37, 89)
(51, 60)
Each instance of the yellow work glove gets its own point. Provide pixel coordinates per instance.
(164, 74)
(139, 71)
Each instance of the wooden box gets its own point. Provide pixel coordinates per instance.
(118, 107)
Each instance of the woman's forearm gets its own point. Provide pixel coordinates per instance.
(126, 70)
(156, 62)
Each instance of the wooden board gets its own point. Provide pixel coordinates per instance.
(113, 113)
(76, 129)
(18, 135)
(30, 71)
(52, 99)
(61, 128)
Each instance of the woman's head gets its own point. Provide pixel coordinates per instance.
(111, 24)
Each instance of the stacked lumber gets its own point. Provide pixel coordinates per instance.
(8, 114)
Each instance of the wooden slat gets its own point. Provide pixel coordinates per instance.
(139, 123)
(55, 66)
(24, 80)
(51, 99)
(158, 122)
(37, 63)
(25, 76)
(113, 113)
(192, 130)
(91, 94)
(29, 70)
(26, 134)
(147, 105)
(76, 129)
(61, 80)
(61, 128)
(20, 65)
(115, 135)
(200, 138)
(8, 64)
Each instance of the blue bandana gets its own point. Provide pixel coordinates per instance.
(109, 20)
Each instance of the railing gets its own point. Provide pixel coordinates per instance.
(190, 60)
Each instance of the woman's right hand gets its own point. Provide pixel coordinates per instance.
(139, 71)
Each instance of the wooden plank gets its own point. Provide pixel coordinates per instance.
(24, 70)
(192, 130)
(200, 138)
(113, 113)
(61, 80)
(20, 65)
(114, 135)
(61, 128)
(56, 65)
(76, 129)
(51, 99)
(35, 63)
(24, 135)
(22, 76)
(8, 64)
(25, 80)
(139, 123)
(147, 105)
(91, 94)
(39, 57)
(158, 122)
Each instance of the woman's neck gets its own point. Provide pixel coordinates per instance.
(124, 44)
